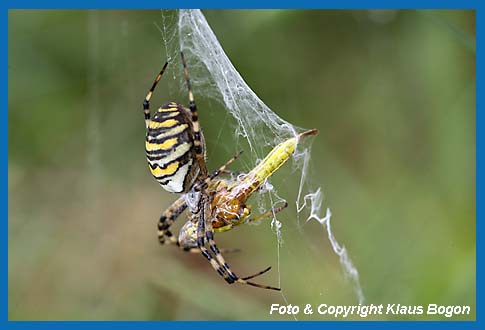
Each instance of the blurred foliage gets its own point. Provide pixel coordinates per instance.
(392, 93)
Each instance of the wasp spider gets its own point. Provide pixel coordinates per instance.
(175, 150)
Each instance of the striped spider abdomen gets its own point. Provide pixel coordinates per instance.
(169, 148)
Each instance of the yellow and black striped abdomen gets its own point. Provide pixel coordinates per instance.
(169, 148)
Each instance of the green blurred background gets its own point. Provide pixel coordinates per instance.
(392, 93)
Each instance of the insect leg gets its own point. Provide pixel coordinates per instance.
(268, 214)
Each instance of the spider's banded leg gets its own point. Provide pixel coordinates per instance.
(204, 212)
(231, 275)
(168, 217)
(198, 147)
(268, 214)
(221, 169)
(146, 102)
(197, 250)
(257, 274)
(167, 238)
(216, 173)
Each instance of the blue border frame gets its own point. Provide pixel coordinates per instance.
(334, 4)
(238, 4)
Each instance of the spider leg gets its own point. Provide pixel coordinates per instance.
(146, 102)
(257, 274)
(201, 242)
(197, 250)
(198, 144)
(203, 184)
(187, 240)
(222, 169)
(219, 264)
(173, 241)
(232, 275)
(167, 219)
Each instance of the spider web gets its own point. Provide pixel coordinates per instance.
(255, 128)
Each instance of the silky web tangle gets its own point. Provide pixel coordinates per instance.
(256, 127)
